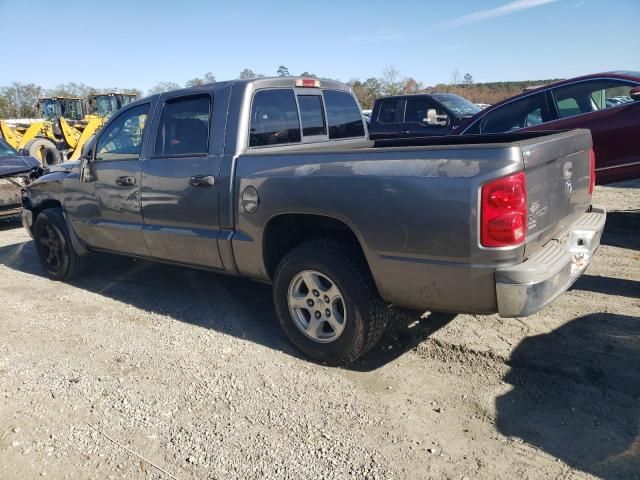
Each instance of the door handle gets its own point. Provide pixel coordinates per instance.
(125, 181)
(405, 132)
(202, 181)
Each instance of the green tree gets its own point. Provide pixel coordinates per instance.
(163, 87)
(308, 75)
(468, 79)
(248, 73)
(283, 71)
(194, 82)
(367, 92)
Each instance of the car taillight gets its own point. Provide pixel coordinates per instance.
(592, 159)
(503, 211)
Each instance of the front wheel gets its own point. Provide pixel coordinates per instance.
(326, 302)
(54, 248)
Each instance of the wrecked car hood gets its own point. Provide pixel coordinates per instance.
(14, 165)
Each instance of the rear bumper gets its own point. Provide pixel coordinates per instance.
(526, 288)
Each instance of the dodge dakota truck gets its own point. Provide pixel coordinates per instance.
(275, 179)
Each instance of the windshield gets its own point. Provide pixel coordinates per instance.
(106, 105)
(51, 109)
(6, 150)
(72, 109)
(458, 105)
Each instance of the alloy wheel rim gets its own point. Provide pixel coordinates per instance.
(317, 306)
(51, 247)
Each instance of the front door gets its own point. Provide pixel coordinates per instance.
(105, 208)
(180, 184)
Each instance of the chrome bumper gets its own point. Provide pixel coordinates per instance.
(524, 289)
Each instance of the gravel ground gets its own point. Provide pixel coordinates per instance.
(141, 370)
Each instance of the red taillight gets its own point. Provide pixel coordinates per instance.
(503, 211)
(592, 159)
(308, 83)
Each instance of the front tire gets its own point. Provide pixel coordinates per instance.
(54, 248)
(45, 151)
(327, 303)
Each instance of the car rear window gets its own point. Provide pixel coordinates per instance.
(388, 109)
(312, 115)
(343, 115)
(274, 118)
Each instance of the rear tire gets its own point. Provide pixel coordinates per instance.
(338, 273)
(54, 247)
(45, 151)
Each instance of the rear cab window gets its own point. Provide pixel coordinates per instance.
(282, 116)
(344, 118)
(274, 118)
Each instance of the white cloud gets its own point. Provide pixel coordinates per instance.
(506, 9)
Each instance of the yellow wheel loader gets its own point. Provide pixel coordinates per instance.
(101, 107)
(42, 138)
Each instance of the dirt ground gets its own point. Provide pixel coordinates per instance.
(141, 370)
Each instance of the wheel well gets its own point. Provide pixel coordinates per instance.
(43, 206)
(287, 231)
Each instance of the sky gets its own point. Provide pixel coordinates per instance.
(138, 43)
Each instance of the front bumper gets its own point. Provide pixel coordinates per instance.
(526, 288)
(27, 221)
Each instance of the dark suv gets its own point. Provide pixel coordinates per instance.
(420, 115)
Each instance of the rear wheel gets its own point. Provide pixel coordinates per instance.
(45, 151)
(54, 248)
(326, 302)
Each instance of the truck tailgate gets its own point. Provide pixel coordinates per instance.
(558, 175)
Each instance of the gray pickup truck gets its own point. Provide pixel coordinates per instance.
(274, 179)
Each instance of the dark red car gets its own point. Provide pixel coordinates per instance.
(608, 104)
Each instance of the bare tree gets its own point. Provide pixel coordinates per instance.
(391, 81)
(455, 77)
(20, 100)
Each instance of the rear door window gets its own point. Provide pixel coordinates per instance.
(274, 118)
(343, 115)
(388, 110)
(312, 115)
(184, 127)
(591, 96)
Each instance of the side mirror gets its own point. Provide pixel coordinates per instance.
(635, 94)
(435, 120)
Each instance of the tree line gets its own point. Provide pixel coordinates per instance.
(19, 100)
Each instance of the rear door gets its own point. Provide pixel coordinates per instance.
(605, 107)
(385, 122)
(180, 183)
